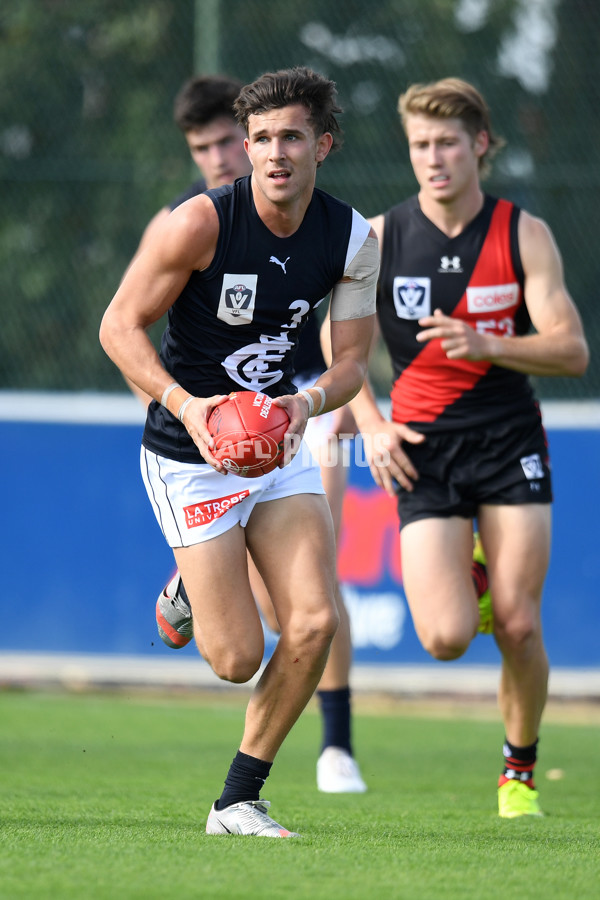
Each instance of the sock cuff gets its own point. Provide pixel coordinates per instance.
(522, 754)
(339, 695)
(252, 762)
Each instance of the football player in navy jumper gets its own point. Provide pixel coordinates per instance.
(462, 276)
(203, 110)
(234, 322)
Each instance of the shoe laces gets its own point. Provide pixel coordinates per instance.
(262, 822)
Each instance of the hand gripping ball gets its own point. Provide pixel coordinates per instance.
(248, 430)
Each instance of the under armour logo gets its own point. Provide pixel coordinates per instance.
(279, 263)
(450, 264)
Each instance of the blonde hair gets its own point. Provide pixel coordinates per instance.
(452, 98)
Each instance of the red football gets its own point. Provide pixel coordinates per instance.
(248, 429)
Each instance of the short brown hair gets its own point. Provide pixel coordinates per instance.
(452, 98)
(203, 99)
(288, 87)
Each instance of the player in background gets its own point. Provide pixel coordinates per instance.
(203, 110)
(216, 243)
(463, 275)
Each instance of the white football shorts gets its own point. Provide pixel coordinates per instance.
(194, 503)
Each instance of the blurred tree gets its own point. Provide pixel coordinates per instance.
(88, 150)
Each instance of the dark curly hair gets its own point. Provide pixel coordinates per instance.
(290, 86)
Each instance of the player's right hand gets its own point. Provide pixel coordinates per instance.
(387, 460)
(195, 417)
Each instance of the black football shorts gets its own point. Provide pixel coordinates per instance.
(499, 464)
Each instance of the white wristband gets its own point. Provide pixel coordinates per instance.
(309, 400)
(167, 391)
(317, 387)
(183, 407)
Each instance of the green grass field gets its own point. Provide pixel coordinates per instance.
(106, 796)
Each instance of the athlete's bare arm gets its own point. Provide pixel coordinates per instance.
(376, 224)
(351, 324)
(382, 439)
(557, 348)
(153, 227)
(185, 242)
(351, 330)
(350, 342)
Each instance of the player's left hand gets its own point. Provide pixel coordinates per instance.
(296, 407)
(458, 339)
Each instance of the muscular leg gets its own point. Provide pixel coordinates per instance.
(337, 669)
(227, 626)
(292, 541)
(261, 595)
(436, 570)
(336, 769)
(517, 544)
(292, 544)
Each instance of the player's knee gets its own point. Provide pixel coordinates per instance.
(314, 633)
(518, 632)
(446, 643)
(446, 651)
(236, 665)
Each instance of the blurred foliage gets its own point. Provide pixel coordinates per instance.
(88, 149)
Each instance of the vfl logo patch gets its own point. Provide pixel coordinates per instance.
(532, 466)
(238, 298)
(490, 299)
(412, 297)
(209, 510)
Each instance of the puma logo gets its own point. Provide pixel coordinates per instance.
(279, 263)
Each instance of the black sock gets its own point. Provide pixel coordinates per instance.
(244, 780)
(519, 763)
(335, 707)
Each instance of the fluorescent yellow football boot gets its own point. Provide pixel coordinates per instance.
(479, 573)
(517, 799)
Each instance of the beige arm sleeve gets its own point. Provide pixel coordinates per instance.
(355, 298)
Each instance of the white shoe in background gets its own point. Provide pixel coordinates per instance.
(338, 773)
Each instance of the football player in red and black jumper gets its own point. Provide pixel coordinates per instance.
(463, 275)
